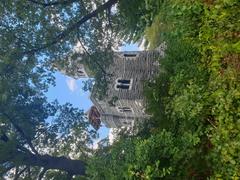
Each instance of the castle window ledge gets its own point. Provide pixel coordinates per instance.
(130, 55)
(124, 109)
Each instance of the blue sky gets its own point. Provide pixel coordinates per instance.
(70, 90)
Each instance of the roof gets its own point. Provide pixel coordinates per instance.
(94, 117)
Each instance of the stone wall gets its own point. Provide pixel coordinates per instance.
(139, 69)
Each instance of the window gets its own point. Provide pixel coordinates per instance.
(80, 72)
(124, 109)
(123, 84)
(124, 81)
(129, 55)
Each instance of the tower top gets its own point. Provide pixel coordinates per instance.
(71, 67)
(75, 71)
(94, 117)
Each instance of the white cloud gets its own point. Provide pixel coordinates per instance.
(72, 84)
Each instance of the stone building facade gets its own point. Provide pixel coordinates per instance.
(123, 104)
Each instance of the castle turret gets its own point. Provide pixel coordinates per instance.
(75, 71)
(72, 67)
(123, 102)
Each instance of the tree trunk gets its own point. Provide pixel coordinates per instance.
(74, 167)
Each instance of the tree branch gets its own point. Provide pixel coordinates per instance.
(69, 176)
(21, 132)
(53, 3)
(108, 14)
(19, 174)
(29, 172)
(40, 176)
(74, 167)
(82, 45)
(16, 172)
(73, 27)
(7, 169)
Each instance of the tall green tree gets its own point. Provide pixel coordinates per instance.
(37, 136)
(32, 34)
(51, 29)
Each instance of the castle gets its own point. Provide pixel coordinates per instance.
(123, 104)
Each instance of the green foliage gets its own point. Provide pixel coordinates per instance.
(25, 111)
(155, 32)
(194, 102)
(52, 31)
(135, 16)
(153, 156)
(220, 55)
(98, 63)
(112, 163)
(113, 101)
(194, 129)
(204, 88)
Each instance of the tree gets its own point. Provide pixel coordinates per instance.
(52, 30)
(35, 135)
(33, 33)
(48, 24)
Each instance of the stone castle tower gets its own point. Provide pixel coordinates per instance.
(123, 104)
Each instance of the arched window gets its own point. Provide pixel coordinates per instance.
(123, 84)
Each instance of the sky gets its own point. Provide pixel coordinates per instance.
(70, 90)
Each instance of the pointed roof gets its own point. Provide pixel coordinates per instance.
(94, 117)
